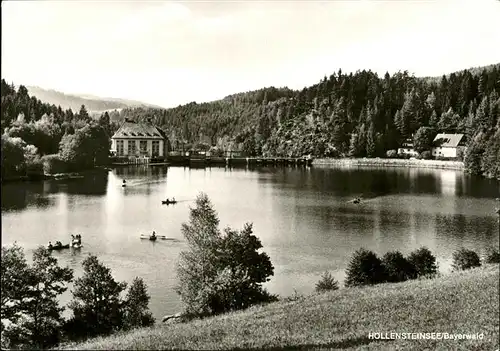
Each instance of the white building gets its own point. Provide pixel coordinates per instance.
(448, 145)
(407, 148)
(139, 140)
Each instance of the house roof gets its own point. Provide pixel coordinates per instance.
(132, 130)
(448, 140)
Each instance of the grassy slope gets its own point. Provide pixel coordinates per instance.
(457, 303)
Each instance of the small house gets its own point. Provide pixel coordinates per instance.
(448, 145)
(407, 148)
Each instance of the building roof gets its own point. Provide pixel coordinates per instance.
(133, 130)
(448, 140)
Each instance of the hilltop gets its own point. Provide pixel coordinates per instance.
(465, 302)
(91, 102)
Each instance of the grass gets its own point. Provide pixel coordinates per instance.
(462, 302)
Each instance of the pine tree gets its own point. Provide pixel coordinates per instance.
(434, 120)
(371, 142)
(96, 305)
(474, 154)
(136, 310)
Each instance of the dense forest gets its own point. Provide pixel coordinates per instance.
(348, 115)
(41, 138)
(345, 115)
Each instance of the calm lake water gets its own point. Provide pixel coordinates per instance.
(303, 216)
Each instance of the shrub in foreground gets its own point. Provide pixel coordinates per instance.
(424, 262)
(96, 305)
(364, 268)
(492, 256)
(327, 283)
(30, 298)
(220, 272)
(397, 267)
(465, 259)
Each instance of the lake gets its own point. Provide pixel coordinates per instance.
(304, 217)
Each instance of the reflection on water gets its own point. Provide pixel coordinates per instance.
(305, 217)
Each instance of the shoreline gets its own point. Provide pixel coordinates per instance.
(55, 176)
(387, 162)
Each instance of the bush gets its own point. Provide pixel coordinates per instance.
(426, 155)
(391, 153)
(364, 268)
(327, 283)
(465, 259)
(397, 267)
(53, 164)
(424, 262)
(492, 256)
(295, 297)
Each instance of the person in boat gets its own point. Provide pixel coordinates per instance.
(50, 245)
(79, 239)
(58, 244)
(173, 199)
(153, 236)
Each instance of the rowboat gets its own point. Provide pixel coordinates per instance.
(162, 237)
(53, 247)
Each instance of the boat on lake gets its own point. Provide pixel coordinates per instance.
(169, 202)
(57, 247)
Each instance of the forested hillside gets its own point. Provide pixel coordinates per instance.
(344, 115)
(357, 114)
(38, 137)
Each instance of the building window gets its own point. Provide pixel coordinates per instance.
(143, 147)
(131, 147)
(119, 147)
(156, 148)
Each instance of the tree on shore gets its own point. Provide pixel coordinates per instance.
(423, 138)
(96, 305)
(220, 272)
(136, 310)
(14, 270)
(424, 262)
(39, 320)
(326, 283)
(364, 268)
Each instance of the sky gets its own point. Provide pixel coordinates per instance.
(170, 53)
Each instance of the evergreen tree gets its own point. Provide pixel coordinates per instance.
(371, 142)
(96, 305)
(364, 268)
(434, 120)
(423, 138)
(136, 310)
